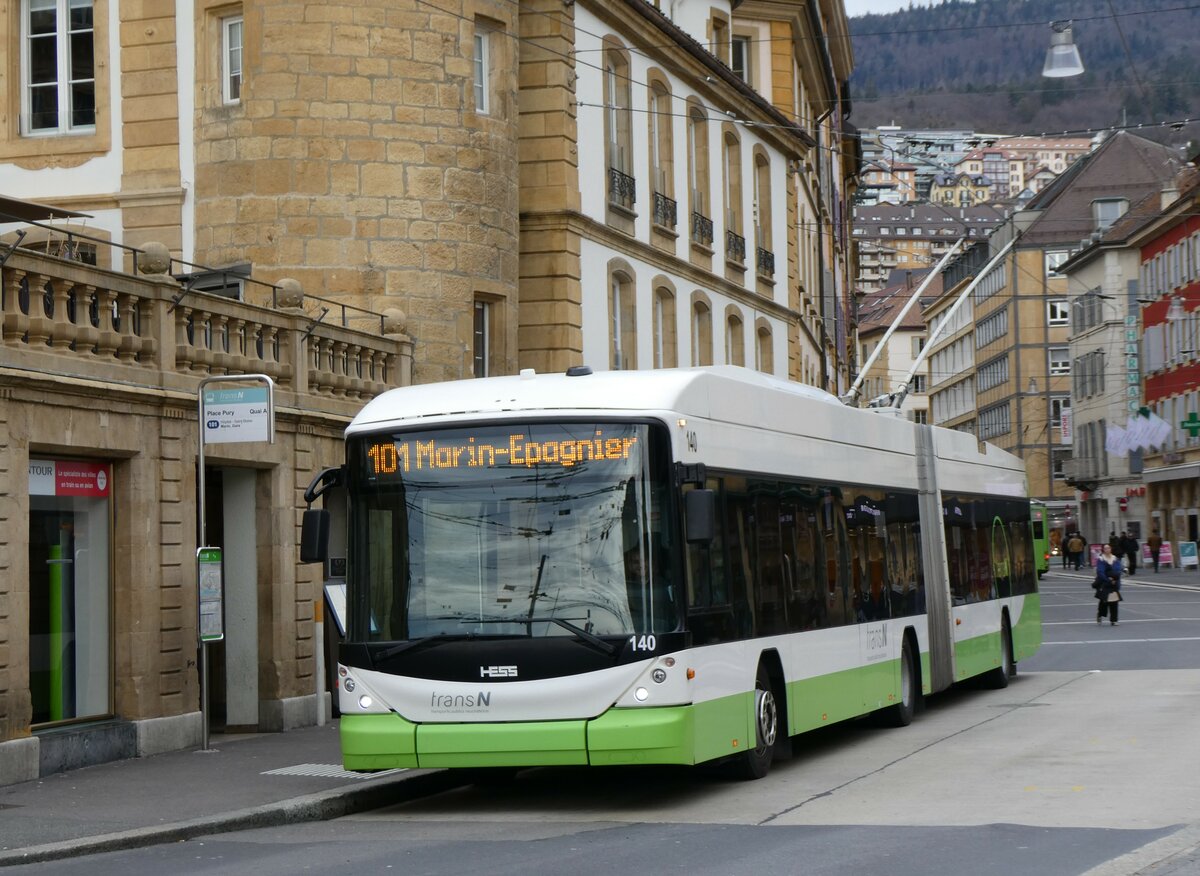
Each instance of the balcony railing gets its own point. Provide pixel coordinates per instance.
(702, 229)
(765, 262)
(63, 317)
(622, 189)
(665, 211)
(735, 247)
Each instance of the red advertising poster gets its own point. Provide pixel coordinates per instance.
(62, 477)
(80, 478)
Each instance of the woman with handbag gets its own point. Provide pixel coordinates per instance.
(1107, 585)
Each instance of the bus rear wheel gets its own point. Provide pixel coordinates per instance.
(756, 763)
(901, 714)
(999, 677)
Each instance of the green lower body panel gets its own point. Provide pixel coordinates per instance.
(378, 742)
(827, 699)
(618, 737)
(1027, 634)
(643, 736)
(976, 656)
(535, 743)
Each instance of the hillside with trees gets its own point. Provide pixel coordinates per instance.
(978, 65)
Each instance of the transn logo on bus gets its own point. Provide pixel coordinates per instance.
(498, 671)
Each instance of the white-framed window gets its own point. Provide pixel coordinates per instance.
(1059, 360)
(58, 75)
(1106, 211)
(482, 67)
(482, 337)
(231, 59)
(1054, 258)
(741, 57)
(1058, 312)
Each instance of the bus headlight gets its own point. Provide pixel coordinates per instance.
(659, 675)
(641, 694)
(349, 685)
(365, 702)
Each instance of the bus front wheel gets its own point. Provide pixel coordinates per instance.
(756, 763)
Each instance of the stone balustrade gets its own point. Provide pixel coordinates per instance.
(70, 319)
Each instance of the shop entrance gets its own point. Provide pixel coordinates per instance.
(70, 651)
(233, 661)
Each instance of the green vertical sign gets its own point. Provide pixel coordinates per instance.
(212, 594)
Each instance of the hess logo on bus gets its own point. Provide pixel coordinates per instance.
(498, 671)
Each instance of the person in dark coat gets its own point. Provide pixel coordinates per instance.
(1154, 542)
(1108, 580)
(1130, 548)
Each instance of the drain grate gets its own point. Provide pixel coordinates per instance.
(326, 771)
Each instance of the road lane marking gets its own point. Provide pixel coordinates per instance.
(1140, 641)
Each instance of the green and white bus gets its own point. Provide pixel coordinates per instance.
(1041, 536)
(660, 567)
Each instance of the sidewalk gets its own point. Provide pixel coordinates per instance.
(1144, 575)
(243, 782)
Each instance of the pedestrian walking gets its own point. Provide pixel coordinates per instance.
(1075, 547)
(1154, 542)
(1107, 585)
(1130, 548)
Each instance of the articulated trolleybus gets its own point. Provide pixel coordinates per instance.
(660, 567)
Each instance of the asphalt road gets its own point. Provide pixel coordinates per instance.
(1086, 764)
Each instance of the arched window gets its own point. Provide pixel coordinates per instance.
(735, 339)
(665, 354)
(662, 162)
(697, 131)
(618, 144)
(622, 313)
(764, 255)
(702, 339)
(735, 242)
(764, 349)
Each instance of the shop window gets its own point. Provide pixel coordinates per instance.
(70, 651)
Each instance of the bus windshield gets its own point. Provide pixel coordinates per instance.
(530, 530)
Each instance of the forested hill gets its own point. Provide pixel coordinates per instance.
(978, 65)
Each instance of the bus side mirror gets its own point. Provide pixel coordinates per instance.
(314, 536)
(700, 516)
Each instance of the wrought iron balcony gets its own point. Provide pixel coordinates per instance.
(765, 260)
(665, 211)
(622, 189)
(735, 247)
(702, 229)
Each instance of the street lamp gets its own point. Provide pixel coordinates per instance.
(1062, 58)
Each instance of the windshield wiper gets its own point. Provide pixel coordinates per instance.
(580, 633)
(411, 644)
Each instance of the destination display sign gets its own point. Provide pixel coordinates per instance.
(466, 451)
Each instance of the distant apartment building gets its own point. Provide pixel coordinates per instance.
(1023, 357)
(960, 189)
(932, 151)
(913, 237)
(877, 315)
(1014, 165)
(894, 183)
(1055, 154)
(950, 333)
(1134, 342)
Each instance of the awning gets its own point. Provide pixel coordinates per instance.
(1171, 473)
(15, 210)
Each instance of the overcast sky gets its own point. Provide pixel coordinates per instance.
(865, 7)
